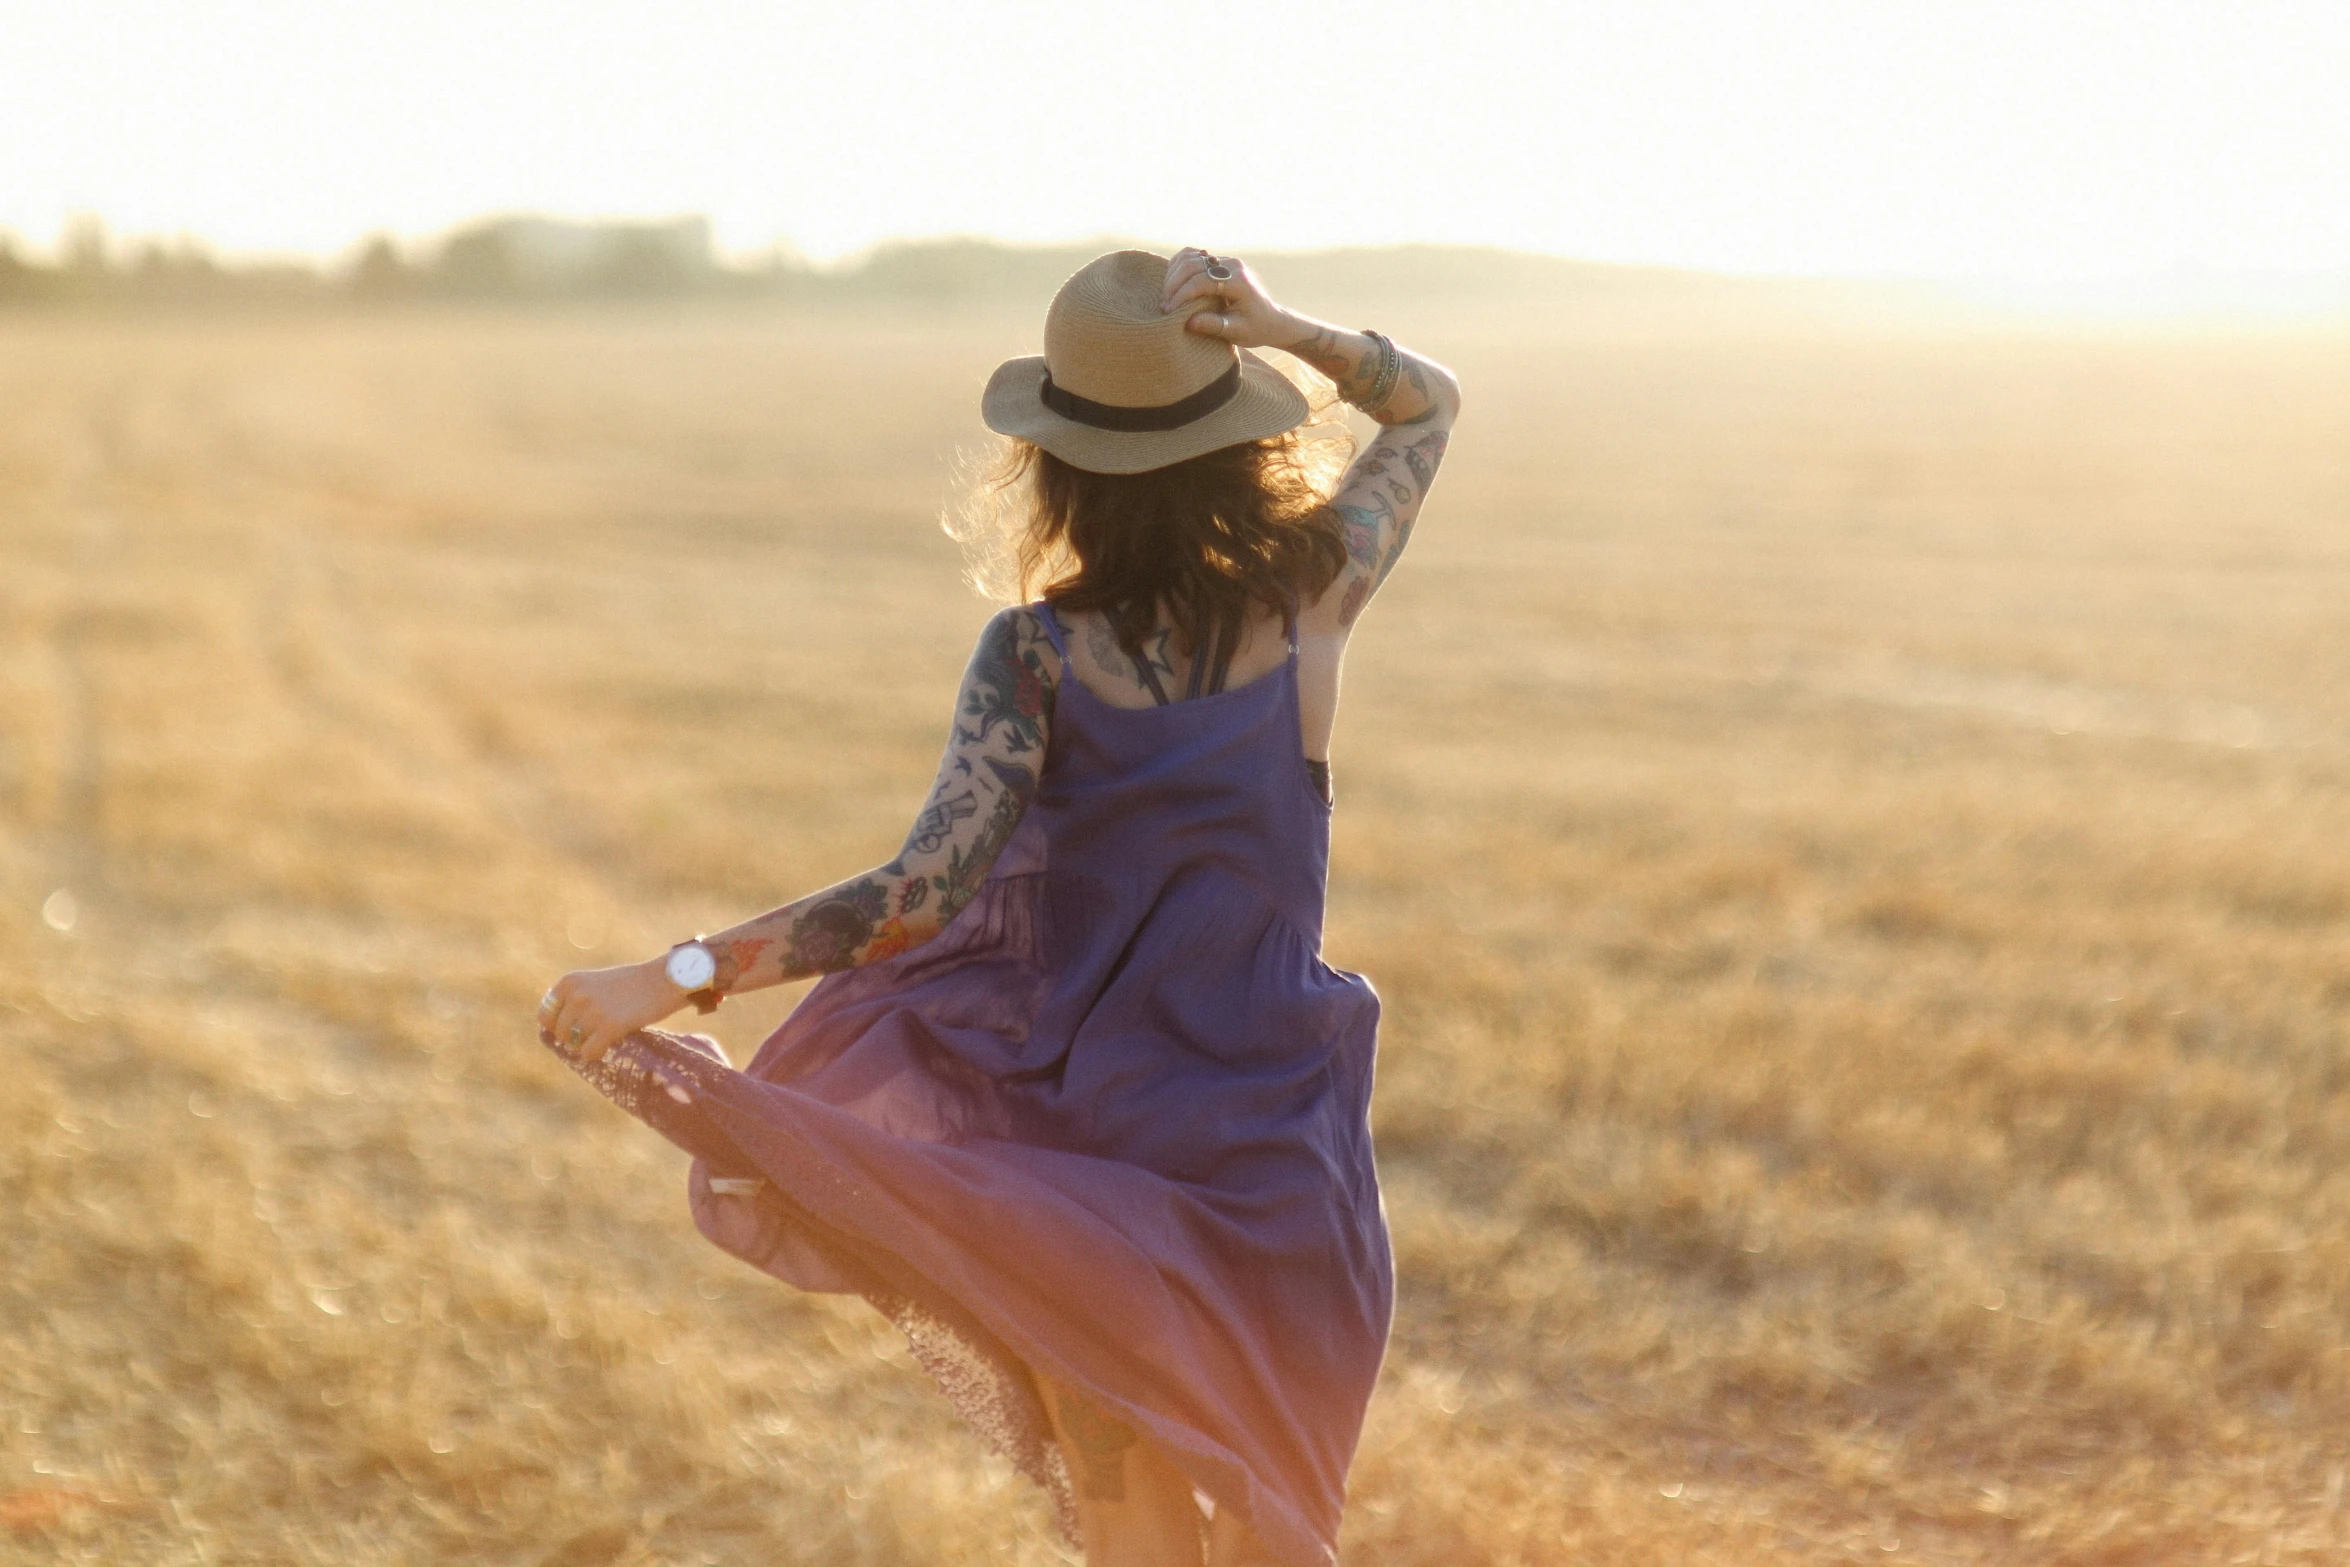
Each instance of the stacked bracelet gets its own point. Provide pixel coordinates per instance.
(1384, 378)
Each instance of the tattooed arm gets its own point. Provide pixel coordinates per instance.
(994, 757)
(1377, 504)
(1379, 499)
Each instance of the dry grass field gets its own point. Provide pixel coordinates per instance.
(1850, 831)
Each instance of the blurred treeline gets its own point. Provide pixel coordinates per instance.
(495, 258)
(521, 258)
(530, 258)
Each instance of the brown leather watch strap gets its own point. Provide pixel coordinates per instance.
(706, 999)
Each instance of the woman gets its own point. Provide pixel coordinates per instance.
(1079, 1105)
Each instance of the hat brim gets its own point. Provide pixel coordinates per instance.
(1267, 403)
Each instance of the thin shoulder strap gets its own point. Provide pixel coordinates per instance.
(1052, 629)
(1227, 644)
(1289, 619)
(1200, 654)
(1142, 663)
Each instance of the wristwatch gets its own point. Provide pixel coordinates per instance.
(693, 968)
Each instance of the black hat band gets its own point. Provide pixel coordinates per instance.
(1167, 416)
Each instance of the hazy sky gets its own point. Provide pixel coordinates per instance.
(1961, 137)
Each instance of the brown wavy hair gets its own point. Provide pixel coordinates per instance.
(1205, 537)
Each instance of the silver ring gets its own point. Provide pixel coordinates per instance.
(1217, 270)
(575, 1036)
(548, 1003)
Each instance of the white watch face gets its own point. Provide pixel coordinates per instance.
(691, 967)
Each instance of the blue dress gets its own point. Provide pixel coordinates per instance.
(1111, 1124)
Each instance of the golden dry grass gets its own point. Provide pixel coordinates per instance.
(1850, 833)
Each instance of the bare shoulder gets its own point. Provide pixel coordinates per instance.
(1018, 626)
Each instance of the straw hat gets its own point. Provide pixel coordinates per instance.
(1121, 387)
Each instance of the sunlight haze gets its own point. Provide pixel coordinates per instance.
(1799, 1016)
(2011, 141)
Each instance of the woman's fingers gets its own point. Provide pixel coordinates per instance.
(1192, 275)
(1187, 264)
(1213, 323)
(582, 1030)
(1191, 298)
(574, 1016)
(595, 1009)
(551, 1006)
(1234, 289)
(1178, 270)
(1198, 286)
(600, 1039)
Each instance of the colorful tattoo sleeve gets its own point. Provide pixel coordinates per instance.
(1380, 498)
(994, 758)
(1377, 504)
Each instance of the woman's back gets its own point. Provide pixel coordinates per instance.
(1163, 671)
(1211, 787)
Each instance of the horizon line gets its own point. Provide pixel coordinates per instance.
(126, 246)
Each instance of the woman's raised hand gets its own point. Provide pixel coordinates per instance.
(1238, 309)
